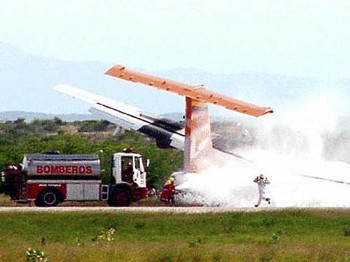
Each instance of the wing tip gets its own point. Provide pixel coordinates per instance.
(112, 71)
(268, 110)
(58, 87)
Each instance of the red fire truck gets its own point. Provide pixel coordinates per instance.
(49, 179)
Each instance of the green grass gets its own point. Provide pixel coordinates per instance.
(287, 235)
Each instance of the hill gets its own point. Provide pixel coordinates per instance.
(26, 82)
(31, 116)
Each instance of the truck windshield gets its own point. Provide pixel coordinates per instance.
(126, 163)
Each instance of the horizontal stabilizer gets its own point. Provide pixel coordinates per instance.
(198, 93)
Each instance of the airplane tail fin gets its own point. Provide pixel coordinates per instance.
(198, 145)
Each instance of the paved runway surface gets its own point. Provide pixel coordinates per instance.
(127, 209)
(189, 210)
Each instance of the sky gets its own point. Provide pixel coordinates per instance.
(305, 38)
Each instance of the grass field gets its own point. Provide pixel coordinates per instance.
(287, 235)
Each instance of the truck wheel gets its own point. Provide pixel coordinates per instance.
(48, 198)
(119, 198)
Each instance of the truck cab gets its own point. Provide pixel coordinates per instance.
(128, 178)
(128, 168)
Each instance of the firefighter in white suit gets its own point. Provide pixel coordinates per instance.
(262, 181)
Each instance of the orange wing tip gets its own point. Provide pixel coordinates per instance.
(269, 110)
(115, 71)
(253, 110)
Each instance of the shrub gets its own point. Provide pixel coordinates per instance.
(34, 255)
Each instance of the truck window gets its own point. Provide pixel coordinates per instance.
(127, 169)
(137, 163)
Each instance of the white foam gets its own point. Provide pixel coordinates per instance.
(290, 154)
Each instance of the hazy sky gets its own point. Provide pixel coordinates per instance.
(293, 37)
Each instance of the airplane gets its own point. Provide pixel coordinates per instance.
(193, 136)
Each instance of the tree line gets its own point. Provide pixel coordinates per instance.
(84, 137)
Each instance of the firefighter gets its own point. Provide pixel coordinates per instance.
(262, 181)
(168, 192)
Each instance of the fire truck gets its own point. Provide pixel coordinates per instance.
(49, 179)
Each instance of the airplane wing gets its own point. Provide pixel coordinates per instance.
(326, 179)
(167, 133)
(198, 93)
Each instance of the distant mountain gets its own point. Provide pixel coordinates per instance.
(30, 116)
(27, 81)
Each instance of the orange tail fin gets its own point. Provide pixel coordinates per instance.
(198, 146)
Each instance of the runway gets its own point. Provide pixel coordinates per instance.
(186, 210)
